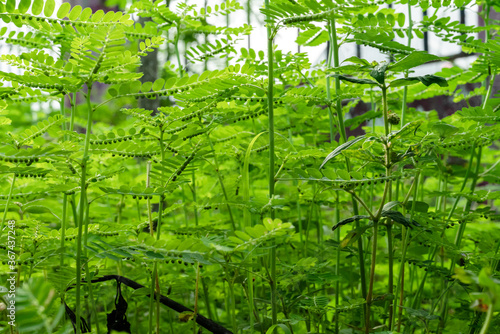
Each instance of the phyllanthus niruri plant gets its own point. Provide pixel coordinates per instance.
(244, 203)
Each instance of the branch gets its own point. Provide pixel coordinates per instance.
(206, 323)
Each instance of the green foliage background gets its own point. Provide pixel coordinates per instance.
(242, 197)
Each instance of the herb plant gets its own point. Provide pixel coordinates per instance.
(243, 203)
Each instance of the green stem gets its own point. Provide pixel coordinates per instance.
(270, 107)
(487, 321)
(404, 238)
(343, 136)
(73, 111)
(331, 27)
(87, 270)
(336, 63)
(63, 125)
(224, 192)
(385, 111)
(176, 45)
(232, 305)
(387, 193)
(206, 296)
(82, 205)
(363, 204)
(390, 251)
(417, 295)
(405, 89)
(460, 234)
(120, 210)
(369, 296)
(158, 235)
(390, 283)
(461, 230)
(195, 210)
(489, 85)
(151, 232)
(337, 265)
(8, 203)
(151, 303)
(308, 222)
(63, 229)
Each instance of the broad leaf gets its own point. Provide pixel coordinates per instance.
(340, 148)
(355, 80)
(414, 59)
(349, 220)
(378, 72)
(399, 218)
(426, 80)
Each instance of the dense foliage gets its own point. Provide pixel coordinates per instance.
(241, 200)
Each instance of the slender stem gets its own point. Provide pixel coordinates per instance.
(388, 171)
(369, 296)
(63, 125)
(373, 107)
(87, 270)
(404, 238)
(63, 228)
(73, 111)
(363, 204)
(82, 205)
(177, 54)
(337, 265)
(343, 136)
(148, 201)
(195, 210)
(385, 111)
(487, 84)
(120, 210)
(405, 89)
(390, 283)
(8, 203)
(197, 284)
(158, 235)
(207, 298)
(151, 232)
(336, 63)
(487, 321)
(387, 191)
(461, 230)
(270, 107)
(72, 201)
(420, 289)
(490, 87)
(331, 26)
(224, 192)
(308, 222)
(460, 233)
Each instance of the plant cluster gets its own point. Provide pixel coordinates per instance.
(240, 204)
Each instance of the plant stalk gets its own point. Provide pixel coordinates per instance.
(270, 107)
(82, 206)
(405, 89)
(343, 136)
(7, 204)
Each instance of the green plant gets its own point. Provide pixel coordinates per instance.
(244, 203)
